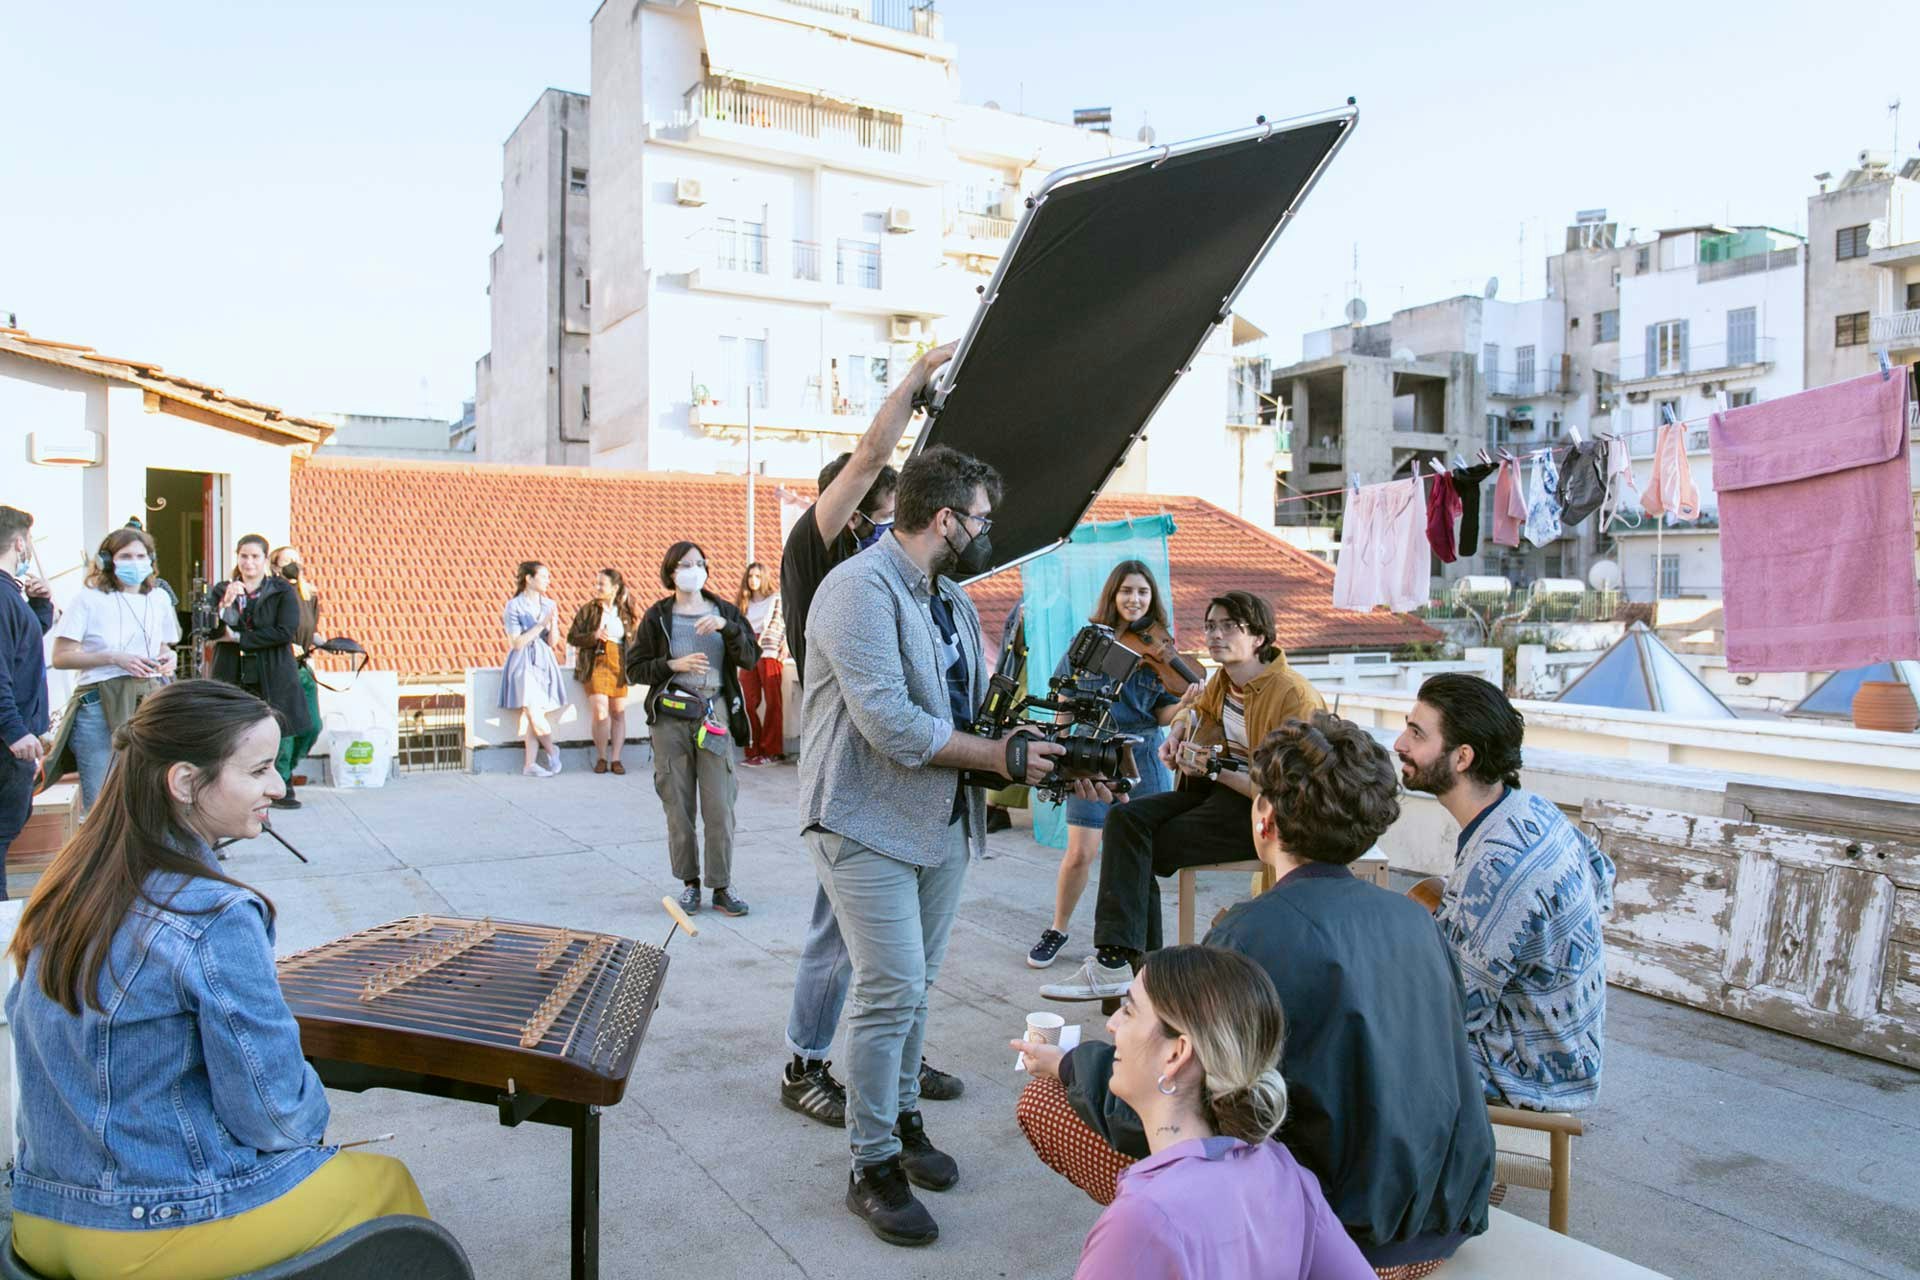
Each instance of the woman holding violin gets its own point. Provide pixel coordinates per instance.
(1132, 605)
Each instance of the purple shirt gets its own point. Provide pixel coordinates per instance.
(1219, 1208)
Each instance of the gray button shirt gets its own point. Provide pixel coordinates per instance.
(876, 709)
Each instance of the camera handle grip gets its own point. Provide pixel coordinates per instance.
(1017, 757)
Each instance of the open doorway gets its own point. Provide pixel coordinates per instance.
(186, 514)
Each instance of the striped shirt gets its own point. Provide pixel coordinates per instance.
(1233, 722)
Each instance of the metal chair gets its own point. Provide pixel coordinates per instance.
(385, 1248)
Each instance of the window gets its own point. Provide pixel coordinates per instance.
(868, 380)
(1643, 258)
(1523, 369)
(1742, 334)
(1913, 296)
(743, 369)
(586, 404)
(1616, 277)
(1850, 242)
(1602, 392)
(857, 262)
(1850, 330)
(577, 183)
(1665, 411)
(1740, 399)
(740, 245)
(586, 291)
(1606, 326)
(1490, 359)
(1669, 576)
(1667, 347)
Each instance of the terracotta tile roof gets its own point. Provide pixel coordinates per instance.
(200, 400)
(415, 559)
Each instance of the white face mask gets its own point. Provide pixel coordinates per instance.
(690, 579)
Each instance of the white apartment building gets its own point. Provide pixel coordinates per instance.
(787, 204)
(1710, 317)
(1863, 269)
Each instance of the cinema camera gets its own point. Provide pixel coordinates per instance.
(1076, 712)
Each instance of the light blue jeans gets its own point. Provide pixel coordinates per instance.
(896, 919)
(819, 984)
(92, 746)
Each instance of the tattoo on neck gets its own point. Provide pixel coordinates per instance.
(1169, 1128)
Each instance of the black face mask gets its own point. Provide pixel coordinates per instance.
(971, 560)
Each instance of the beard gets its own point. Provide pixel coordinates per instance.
(1437, 778)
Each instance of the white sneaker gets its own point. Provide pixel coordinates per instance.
(1091, 981)
(537, 771)
(553, 765)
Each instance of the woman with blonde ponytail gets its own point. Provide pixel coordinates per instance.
(1196, 1053)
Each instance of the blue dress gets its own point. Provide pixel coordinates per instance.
(1136, 711)
(531, 678)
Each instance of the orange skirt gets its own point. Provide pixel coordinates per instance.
(606, 677)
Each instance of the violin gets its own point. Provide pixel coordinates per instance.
(1155, 647)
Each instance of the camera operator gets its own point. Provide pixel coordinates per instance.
(258, 618)
(1206, 821)
(896, 669)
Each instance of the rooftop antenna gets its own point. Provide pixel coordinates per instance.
(1893, 109)
(1523, 258)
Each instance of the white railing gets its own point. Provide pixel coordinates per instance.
(1901, 326)
(1778, 260)
(1696, 358)
(728, 102)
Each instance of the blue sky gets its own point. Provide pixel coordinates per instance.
(296, 200)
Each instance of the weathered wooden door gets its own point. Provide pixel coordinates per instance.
(1816, 935)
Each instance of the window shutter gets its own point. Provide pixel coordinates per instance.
(1653, 350)
(1685, 352)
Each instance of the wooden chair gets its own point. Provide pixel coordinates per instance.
(1535, 1149)
(1263, 880)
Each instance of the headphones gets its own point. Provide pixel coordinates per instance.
(105, 560)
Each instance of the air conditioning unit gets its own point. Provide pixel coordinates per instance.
(899, 219)
(687, 191)
(906, 329)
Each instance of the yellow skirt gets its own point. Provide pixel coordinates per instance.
(606, 676)
(352, 1188)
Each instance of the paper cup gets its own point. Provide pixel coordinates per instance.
(1042, 1028)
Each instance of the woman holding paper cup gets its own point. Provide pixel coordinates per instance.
(1197, 1054)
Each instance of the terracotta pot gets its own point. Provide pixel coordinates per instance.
(1885, 705)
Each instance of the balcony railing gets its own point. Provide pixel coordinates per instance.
(915, 16)
(1699, 358)
(736, 250)
(857, 263)
(1753, 263)
(1525, 384)
(806, 260)
(985, 226)
(1901, 326)
(727, 101)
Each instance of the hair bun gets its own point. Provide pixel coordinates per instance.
(1252, 1114)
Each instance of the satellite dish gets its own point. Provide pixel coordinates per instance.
(1356, 311)
(1404, 355)
(1146, 133)
(1493, 287)
(1604, 576)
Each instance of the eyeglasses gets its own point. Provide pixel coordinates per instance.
(985, 523)
(1221, 627)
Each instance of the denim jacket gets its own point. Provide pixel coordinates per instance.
(188, 1099)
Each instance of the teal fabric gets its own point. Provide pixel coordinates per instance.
(1061, 589)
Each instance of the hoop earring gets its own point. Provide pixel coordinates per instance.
(1162, 1085)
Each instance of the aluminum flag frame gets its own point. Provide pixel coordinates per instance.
(1317, 137)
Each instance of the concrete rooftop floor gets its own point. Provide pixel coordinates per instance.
(1716, 1147)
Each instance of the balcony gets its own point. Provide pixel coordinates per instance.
(733, 117)
(915, 17)
(1752, 264)
(1900, 329)
(806, 260)
(982, 226)
(857, 263)
(1696, 361)
(1532, 384)
(727, 101)
(731, 249)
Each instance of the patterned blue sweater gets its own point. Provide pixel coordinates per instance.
(1521, 916)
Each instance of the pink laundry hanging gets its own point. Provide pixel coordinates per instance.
(1509, 505)
(1671, 490)
(1816, 529)
(1383, 549)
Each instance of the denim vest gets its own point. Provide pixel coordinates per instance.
(188, 1099)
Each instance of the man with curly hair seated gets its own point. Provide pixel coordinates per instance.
(1385, 1098)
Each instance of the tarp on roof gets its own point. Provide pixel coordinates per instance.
(1641, 674)
(1115, 277)
(1833, 698)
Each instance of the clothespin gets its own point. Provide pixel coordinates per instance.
(1574, 431)
(1459, 463)
(1486, 457)
(1886, 365)
(1666, 414)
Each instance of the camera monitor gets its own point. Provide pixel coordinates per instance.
(1116, 274)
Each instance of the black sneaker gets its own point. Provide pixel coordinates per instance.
(937, 1085)
(998, 819)
(690, 899)
(727, 905)
(1047, 950)
(287, 801)
(926, 1165)
(814, 1093)
(879, 1194)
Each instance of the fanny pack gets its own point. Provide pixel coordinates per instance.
(678, 704)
